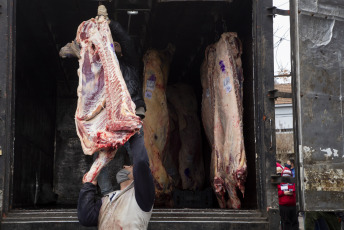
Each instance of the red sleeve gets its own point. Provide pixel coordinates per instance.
(294, 192)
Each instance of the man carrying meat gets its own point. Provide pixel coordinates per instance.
(129, 65)
(128, 208)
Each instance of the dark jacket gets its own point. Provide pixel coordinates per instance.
(89, 207)
(129, 63)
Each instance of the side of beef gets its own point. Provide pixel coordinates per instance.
(222, 110)
(156, 122)
(105, 116)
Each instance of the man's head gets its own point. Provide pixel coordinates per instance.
(279, 170)
(286, 172)
(291, 162)
(125, 174)
(118, 49)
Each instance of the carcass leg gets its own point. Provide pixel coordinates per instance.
(104, 157)
(233, 201)
(219, 188)
(241, 172)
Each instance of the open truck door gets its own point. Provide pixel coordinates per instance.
(318, 82)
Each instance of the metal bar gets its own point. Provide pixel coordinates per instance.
(284, 75)
(130, 9)
(273, 94)
(275, 11)
(129, 19)
(295, 71)
(195, 1)
(7, 52)
(264, 109)
(283, 95)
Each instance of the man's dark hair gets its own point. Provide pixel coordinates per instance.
(292, 161)
(278, 161)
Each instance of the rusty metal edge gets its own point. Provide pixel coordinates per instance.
(264, 110)
(7, 83)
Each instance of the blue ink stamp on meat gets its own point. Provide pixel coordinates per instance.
(227, 85)
(112, 48)
(151, 82)
(207, 94)
(222, 66)
(148, 94)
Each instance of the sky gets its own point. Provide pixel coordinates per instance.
(281, 39)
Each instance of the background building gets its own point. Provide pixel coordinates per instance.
(284, 125)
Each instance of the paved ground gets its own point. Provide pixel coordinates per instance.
(301, 223)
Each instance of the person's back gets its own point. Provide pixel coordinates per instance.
(122, 212)
(128, 208)
(287, 203)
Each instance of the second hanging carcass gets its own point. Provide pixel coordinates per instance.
(222, 113)
(156, 122)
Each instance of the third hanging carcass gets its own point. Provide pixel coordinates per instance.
(222, 112)
(191, 165)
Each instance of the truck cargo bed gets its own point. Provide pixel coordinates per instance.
(161, 219)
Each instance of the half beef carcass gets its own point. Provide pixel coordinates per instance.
(170, 159)
(156, 122)
(105, 116)
(222, 111)
(191, 165)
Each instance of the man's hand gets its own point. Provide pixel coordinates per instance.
(140, 112)
(71, 49)
(288, 193)
(102, 13)
(85, 181)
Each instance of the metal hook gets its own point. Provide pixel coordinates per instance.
(224, 25)
(129, 19)
(270, 121)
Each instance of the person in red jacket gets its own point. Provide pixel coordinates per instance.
(287, 203)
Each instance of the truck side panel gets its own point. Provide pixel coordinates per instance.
(318, 67)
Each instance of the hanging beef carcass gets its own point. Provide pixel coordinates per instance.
(105, 116)
(191, 165)
(156, 123)
(222, 109)
(170, 159)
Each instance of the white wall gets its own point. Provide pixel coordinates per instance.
(284, 116)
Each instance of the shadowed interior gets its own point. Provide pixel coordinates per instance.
(48, 158)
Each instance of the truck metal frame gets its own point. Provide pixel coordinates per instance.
(263, 83)
(317, 65)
